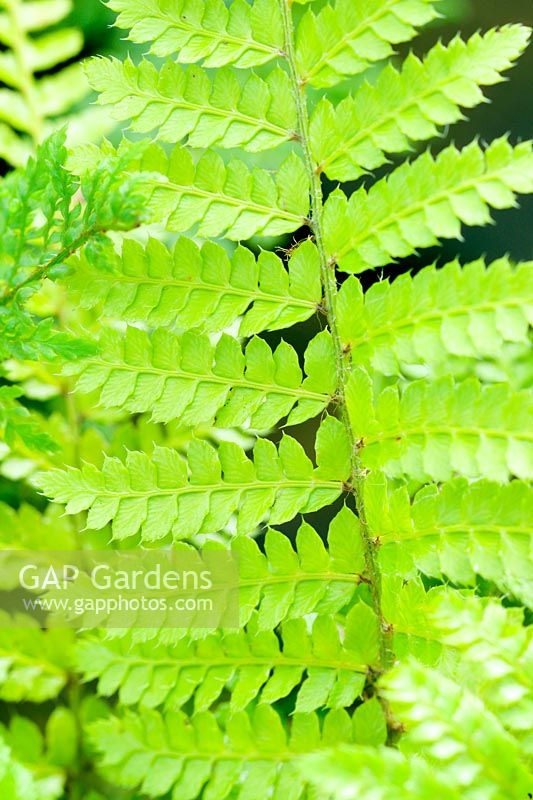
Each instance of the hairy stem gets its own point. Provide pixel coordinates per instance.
(329, 283)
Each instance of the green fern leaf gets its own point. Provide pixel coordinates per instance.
(286, 583)
(166, 494)
(496, 653)
(211, 31)
(370, 773)
(250, 754)
(199, 288)
(17, 423)
(218, 199)
(459, 530)
(36, 245)
(30, 106)
(463, 736)
(16, 780)
(482, 645)
(463, 312)
(423, 201)
(250, 663)
(31, 757)
(23, 337)
(431, 430)
(345, 38)
(258, 114)
(187, 378)
(33, 662)
(26, 528)
(412, 104)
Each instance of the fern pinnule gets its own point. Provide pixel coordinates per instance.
(458, 530)
(257, 114)
(344, 38)
(412, 104)
(425, 200)
(211, 31)
(437, 317)
(431, 430)
(169, 494)
(203, 288)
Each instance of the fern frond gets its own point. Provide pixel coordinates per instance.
(286, 583)
(430, 430)
(477, 641)
(250, 663)
(26, 528)
(27, 101)
(344, 38)
(33, 662)
(166, 494)
(456, 311)
(16, 780)
(251, 754)
(237, 33)
(16, 422)
(423, 201)
(370, 773)
(282, 582)
(457, 734)
(203, 288)
(458, 530)
(216, 199)
(187, 378)
(256, 114)
(495, 652)
(22, 337)
(37, 758)
(36, 245)
(411, 104)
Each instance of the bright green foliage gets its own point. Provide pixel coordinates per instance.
(256, 115)
(204, 288)
(16, 422)
(216, 198)
(463, 312)
(286, 583)
(33, 246)
(31, 106)
(32, 663)
(382, 650)
(430, 430)
(345, 37)
(423, 201)
(24, 338)
(38, 760)
(15, 779)
(369, 773)
(457, 734)
(481, 644)
(167, 494)
(252, 663)
(187, 378)
(410, 105)
(251, 754)
(457, 530)
(496, 652)
(28, 529)
(217, 33)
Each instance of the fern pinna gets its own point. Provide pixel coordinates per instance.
(386, 654)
